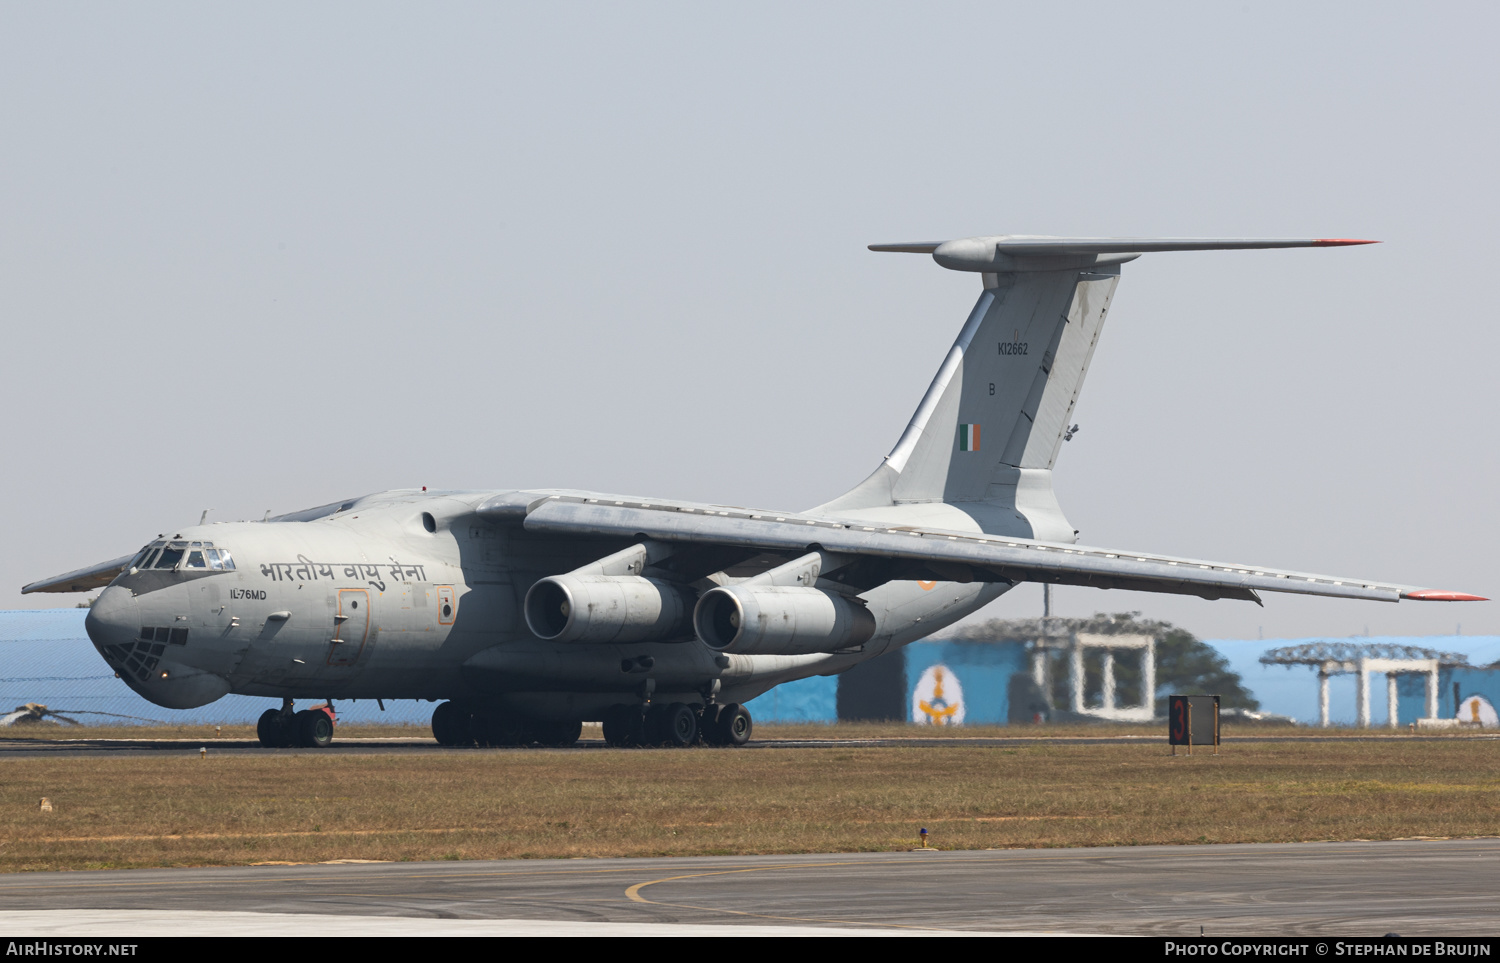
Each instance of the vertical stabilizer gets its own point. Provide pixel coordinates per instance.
(987, 432)
(978, 453)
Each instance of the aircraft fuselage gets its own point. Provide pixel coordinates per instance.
(416, 596)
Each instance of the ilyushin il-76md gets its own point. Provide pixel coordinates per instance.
(525, 614)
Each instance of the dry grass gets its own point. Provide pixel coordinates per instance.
(179, 809)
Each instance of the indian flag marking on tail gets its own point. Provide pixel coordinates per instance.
(968, 437)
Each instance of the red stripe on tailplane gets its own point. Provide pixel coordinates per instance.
(1339, 242)
(1438, 595)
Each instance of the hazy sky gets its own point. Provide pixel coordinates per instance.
(265, 256)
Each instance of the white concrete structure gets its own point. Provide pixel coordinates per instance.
(1076, 644)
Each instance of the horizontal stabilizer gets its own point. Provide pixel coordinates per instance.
(1012, 252)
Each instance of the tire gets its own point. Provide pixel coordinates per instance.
(271, 731)
(624, 726)
(315, 728)
(708, 726)
(558, 732)
(450, 726)
(651, 726)
(501, 729)
(678, 726)
(734, 725)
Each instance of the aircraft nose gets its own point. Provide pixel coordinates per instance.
(166, 678)
(112, 619)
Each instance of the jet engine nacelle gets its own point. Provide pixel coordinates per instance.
(780, 620)
(605, 608)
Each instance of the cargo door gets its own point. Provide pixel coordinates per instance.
(351, 626)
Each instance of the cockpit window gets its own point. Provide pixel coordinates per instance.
(187, 556)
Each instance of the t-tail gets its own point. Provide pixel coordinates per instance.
(978, 454)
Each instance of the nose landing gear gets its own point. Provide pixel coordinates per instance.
(284, 729)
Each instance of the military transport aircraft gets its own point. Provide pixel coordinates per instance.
(530, 612)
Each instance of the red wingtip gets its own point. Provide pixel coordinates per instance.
(1340, 241)
(1438, 595)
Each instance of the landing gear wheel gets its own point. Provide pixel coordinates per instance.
(314, 728)
(651, 728)
(733, 725)
(558, 732)
(708, 726)
(450, 726)
(624, 726)
(501, 729)
(678, 726)
(271, 729)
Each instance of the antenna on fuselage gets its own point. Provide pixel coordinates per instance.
(204, 517)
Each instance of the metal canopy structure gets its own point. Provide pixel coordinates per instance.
(1361, 659)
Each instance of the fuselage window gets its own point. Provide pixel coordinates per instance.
(213, 558)
(169, 558)
(196, 559)
(226, 559)
(148, 555)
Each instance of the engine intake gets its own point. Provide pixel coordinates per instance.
(605, 608)
(780, 620)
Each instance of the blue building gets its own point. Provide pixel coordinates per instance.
(987, 674)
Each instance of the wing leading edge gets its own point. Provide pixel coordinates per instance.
(82, 580)
(954, 556)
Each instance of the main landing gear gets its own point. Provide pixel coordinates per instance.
(677, 724)
(674, 724)
(454, 725)
(284, 729)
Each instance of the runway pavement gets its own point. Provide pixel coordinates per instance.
(86, 747)
(1412, 887)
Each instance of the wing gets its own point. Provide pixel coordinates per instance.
(909, 552)
(83, 580)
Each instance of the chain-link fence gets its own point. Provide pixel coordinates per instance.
(47, 659)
